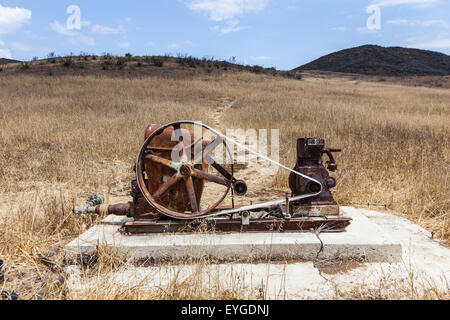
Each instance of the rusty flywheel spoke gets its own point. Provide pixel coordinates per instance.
(204, 175)
(191, 193)
(166, 187)
(164, 162)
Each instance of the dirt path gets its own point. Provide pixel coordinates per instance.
(252, 172)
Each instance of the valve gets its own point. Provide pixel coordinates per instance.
(90, 205)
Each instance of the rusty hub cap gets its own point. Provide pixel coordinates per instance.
(185, 170)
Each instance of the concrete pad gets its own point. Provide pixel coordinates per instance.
(266, 280)
(273, 281)
(425, 264)
(421, 253)
(363, 239)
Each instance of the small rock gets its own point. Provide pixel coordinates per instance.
(9, 295)
(2, 274)
(73, 274)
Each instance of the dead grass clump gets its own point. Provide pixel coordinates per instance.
(201, 281)
(411, 287)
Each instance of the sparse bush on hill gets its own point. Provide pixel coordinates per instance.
(52, 57)
(293, 75)
(83, 56)
(107, 56)
(192, 62)
(157, 61)
(128, 56)
(107, 62)
(257, 69)
(25, 66)
(121, 62)
(67, 61)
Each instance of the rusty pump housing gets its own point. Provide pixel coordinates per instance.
(167, 194)
(310, 153)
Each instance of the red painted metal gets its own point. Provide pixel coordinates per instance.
(336, 224)
(309, 162)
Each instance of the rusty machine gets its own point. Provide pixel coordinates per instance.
(173, 170)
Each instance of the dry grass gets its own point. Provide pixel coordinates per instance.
(61, 138)
(395, 140)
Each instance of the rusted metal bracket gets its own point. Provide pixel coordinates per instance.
(337, 224)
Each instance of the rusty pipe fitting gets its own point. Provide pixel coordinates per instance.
(95, 205)
(121, 209)
(89, 206)
(240, 187)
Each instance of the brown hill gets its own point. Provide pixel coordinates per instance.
(130, 66)
(383, 61)
(7, 61)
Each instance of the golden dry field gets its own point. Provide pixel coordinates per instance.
(63, 138)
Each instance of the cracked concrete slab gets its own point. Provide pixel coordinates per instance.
(413, 260)
(363, 240)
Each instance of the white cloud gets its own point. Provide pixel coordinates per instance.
(227, 11)
(182, 44)
(20, 46)
(150, 44)
(62, 29)
(261, 58)
(434, 44)
(99, 29)
(81, 39)
(33, 35)
(2, 43)
(12, 19)
(230, 26)
(75, 37)
(220, 10)
(5, 53)
(400, 22)
(415, 23)
(439, 23)
(365, 30)
(339, 28)
(391, 3)
(123, 45)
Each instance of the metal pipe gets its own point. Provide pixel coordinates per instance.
(90, 205)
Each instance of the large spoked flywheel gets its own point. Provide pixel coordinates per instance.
(187, 173)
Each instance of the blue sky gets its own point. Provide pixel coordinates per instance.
(280, 33)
